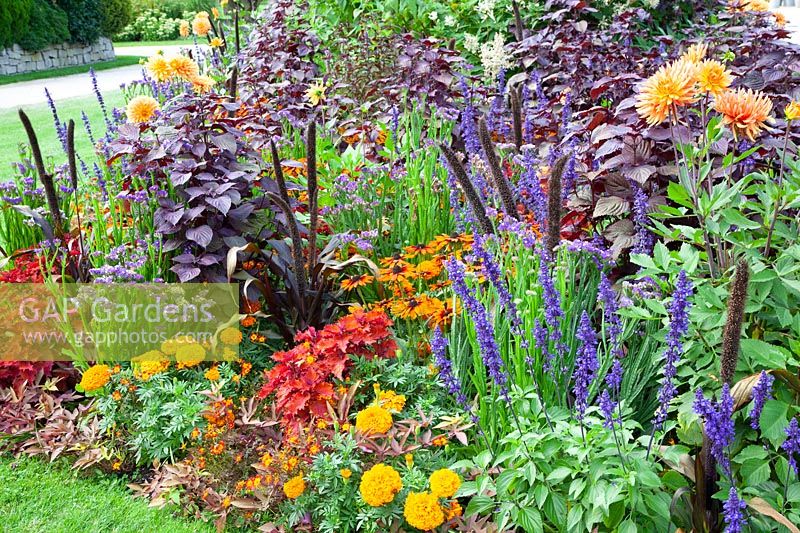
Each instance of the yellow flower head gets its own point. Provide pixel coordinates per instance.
(379, 485)
(141, 109)
(215, 12)
(183, 67)
(185, 28)
(201, 25)
(212, 374)
(202, 84)
(422, 511)
(216, 42)
(713, 77)
(189, 355)
(409, 460)
(158, 67)
(346, 473)
(780, 19)
(749, 5)
(95, 377)
(231, 336)
(374, 419)
(673, 85)
(316, 93)
(695, 53)
(792, 111)
(744, 110)
(150, 364)
(391, 400)
(444, 483)
(294, 487)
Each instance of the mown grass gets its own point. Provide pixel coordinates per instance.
(37, 496)
(127, 44)
(12, 134)
(121, 61)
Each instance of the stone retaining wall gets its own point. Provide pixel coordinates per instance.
(15, 60)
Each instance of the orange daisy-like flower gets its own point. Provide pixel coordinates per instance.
(744, 110)
(421, 306)
(396, 259)
(202, 84)
(429, 269)
(671, 87)
(416, 249)
(713, 77)
(780, 19)
(158, 67)
(396, 273)
(695, 53)
(184, 68)
(353, 282)
(141, 109)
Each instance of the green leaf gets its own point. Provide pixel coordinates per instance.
(627, 527)
(760, 354)
(774, 419)
(559, 474)
(755, 472)
(479, 505)
(529, 518)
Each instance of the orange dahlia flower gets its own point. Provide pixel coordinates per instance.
(672, 86)
(744, 110)
(713, 77)
(158, 67)
(696, 53)
(184, 68)
(141, 109)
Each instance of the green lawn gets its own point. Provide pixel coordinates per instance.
(11, 132)
(37, 496)
(121, 61)
(125, 44)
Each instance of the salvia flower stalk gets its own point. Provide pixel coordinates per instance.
(586, 365)
(719, 427)
(792, 445)
(761, 393)
(733, 512)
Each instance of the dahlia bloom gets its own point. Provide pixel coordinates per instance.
(141, 109)
(744, 110)
(158, 67)
(672, 86)
(713, 77)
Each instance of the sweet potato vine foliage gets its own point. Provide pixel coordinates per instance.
(302, 378)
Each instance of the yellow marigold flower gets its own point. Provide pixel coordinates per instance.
(184, 29)
(184, 68)
(141, 109)
(189, 355)
(713, 77)
(201, 25)
(346, 473)
(315, 93)
(231, 336)
(158, 67)
(374, 419)
(391, 400)
(695, 53)
(346, 427)
(294, 487)
(792, 111)
(379, 485)
(670, 87)
(95, 378)
(216, 42)
(444, 483)
(409, 460)
(422, 510)
(151, 363)
(212, 374)
(744, 110)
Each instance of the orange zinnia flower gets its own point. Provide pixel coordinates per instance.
(713, 77)
(695, 53)
(744, 110)
(353, 282)
(671, 87)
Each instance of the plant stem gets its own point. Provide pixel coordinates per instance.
(778, 202)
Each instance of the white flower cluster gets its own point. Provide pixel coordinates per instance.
(471, 43)
(494, 57)
(485, 8)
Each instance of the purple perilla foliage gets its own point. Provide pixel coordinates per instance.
(492, 271)
(792, 445)
(566, 113)
(719, 427)
(439, 345)
(484, 331)
(733, 512)
(761, 393)
(529, 188)
(644, 238)
(678, 326)
(586, 364)
(541, 99)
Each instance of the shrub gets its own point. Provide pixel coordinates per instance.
(116, 14)
(150, 25)
(84, 17)
(14, 15)
(47, 25)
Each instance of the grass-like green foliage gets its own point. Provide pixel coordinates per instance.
(37, 496)
(175, 42)
(122, 61)
(12, 134)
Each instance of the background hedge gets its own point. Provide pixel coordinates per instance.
(14, 17)
(116, 14)
(47, 25)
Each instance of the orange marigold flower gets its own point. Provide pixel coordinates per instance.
(141, 109)
(346, 473)
(212, 374)
(444, 483)
(453, 511)
(189, 355)
(95, 378)
(248, 321)
(391, 400)
(422, 510)
(353, 282)
(294, 487)
(184, 68)
(409, 460)
(695, 53)
(744, 110)
(374, 419)
(116, 396)
(441, 440)
(672, 86)
(713, 77)
(792, 111)
(231, 336)
(379, 485)
(158, 67)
